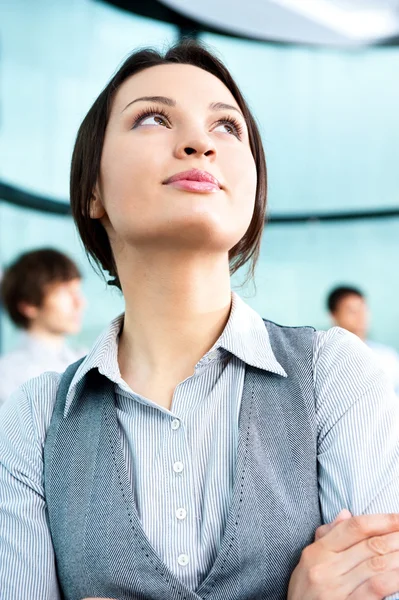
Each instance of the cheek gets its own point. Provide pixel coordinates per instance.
(130, 176)
(120, 167)
(243, 178)
(126, 160)
(61, 306)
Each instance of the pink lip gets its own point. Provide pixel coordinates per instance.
(194, 180)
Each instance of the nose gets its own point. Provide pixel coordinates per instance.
(196, 145)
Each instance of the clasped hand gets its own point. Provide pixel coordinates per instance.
(353, 558)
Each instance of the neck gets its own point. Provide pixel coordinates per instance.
(54, 340)
(175, 311)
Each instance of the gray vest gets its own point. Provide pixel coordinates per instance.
(99, 542)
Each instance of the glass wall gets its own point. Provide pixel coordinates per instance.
(55, 59)
(330, 127)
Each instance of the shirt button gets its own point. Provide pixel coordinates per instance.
(175, 424)
(178, 467)
(183, 560)
(181, 513)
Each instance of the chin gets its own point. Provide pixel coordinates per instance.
(207, 229)
(72, 329)
(197, 229)
(206, 238)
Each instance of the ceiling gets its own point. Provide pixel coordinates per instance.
(342, 23)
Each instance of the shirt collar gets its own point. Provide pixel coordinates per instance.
(103, 356)
(245, 336)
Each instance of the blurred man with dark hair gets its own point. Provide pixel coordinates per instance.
(348, 309)
(41, 292)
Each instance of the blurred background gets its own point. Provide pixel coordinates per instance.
(321, 77)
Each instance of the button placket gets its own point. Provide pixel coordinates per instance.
(181, 505)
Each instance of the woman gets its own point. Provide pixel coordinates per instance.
(197, 449)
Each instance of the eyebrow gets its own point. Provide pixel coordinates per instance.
(170, 102)
(223, 106)
(158, 99)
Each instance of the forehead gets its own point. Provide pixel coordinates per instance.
(352, 301)
(183, 83)
(58, 286)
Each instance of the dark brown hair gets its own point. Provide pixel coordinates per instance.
(338, 294)
(89, 145)
(27, 280)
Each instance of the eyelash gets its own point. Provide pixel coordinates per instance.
(148, 112)
(234, 123)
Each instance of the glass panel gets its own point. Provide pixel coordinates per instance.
(55, 59)
(330, 126)
(299, 264)
(329, 121)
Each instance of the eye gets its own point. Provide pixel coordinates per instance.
(229, 126)
(153, 118)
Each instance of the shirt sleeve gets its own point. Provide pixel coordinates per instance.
(27, 563)
(358, 428)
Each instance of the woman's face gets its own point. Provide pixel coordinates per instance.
(176, 171)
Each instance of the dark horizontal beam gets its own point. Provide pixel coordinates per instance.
(359, 215)
(18, 197)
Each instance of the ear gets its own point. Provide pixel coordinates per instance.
(97, 210)
(30, 311)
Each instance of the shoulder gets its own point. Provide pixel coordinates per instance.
(290, 340)
(292, 330)
(346, 371)
(337, 351)
(14, 370)
(24, 420)
(11, 359)
(30, 408)
(384, 351)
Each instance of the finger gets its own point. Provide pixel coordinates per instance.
(370, 569)
(378, 587)
(366, 550)
(324, 529)
(356, 529)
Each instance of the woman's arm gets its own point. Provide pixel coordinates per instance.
(358, 428)
(358, 452)
(27, 565)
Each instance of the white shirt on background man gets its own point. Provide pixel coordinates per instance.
(389, 361)
(31, 358)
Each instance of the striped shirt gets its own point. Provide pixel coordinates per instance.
(184, 517)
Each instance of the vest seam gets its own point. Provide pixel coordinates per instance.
(241, 491)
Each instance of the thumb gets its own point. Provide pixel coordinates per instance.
(324, 529)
